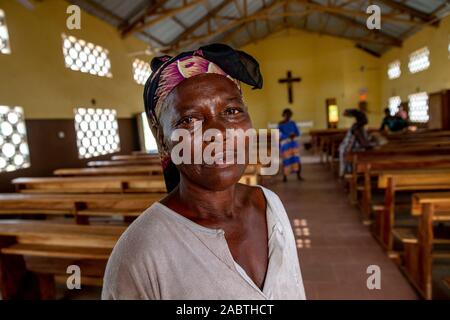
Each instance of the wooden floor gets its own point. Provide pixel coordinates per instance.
(336, 247)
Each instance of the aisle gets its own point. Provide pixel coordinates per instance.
(336, 247)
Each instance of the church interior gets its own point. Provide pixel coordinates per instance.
(367, 84)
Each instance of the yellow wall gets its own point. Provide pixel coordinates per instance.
(34, 76)
(435, 78)
(329, 67)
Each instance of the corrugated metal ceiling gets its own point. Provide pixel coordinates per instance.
(232, 23)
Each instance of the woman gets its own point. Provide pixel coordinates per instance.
(356, 139)
(210, 237)
(289, 146)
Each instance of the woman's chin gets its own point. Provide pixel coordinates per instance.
(219, 176)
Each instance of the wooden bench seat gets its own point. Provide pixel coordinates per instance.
(51, 251)
(101, 184)
(370, 167)
(81, 206)
(125, 157)
(132, 162)
(421, 243)
(104, 171)
(395, 181)
(47, 249)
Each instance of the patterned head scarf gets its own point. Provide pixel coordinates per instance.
(169, 72)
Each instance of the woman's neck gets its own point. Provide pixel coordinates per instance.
(206, 203)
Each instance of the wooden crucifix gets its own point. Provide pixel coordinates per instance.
(289, 80)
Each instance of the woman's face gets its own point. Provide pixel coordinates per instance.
(215, 102)
(287, 115)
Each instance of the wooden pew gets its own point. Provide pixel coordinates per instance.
(370, 164)
(80, 206)
(105, 171)
(419, 253)
(403, 180)
(131, 162)
(152, 157)
(100, 184)
(33, 252)
(318, 135)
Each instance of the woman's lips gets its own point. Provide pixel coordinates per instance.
(222, 160)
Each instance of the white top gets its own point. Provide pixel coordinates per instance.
(163, 255)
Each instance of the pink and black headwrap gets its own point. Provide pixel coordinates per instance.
(169, 72)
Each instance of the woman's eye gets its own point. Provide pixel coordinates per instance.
(187, 120)
(233, 111)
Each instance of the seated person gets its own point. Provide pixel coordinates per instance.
(356, 139)
(393, 123)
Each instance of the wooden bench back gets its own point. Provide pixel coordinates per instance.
(100, 184)
(413, 180)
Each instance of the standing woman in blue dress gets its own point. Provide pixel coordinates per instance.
(290, 151)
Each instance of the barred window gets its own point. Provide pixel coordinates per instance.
(418, 107)
(86, 57)
(394, 70)
(394, 104)
(97, 132)
(419, 60)
(14, 153)
(141, 71)
(4, 36)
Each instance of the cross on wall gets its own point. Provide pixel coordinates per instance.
(289, 80)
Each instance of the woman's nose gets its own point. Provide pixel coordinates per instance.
(216, 130)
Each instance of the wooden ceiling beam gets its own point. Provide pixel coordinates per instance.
(244, 13)
(279, 27)
(374, 33)
(355, 13)
(161, 15)
(190, 30)
(148, 10)
(257, 16)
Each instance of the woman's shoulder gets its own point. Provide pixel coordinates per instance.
(261, 196)
(146, 232)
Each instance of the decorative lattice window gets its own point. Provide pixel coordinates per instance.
(394, 70)
(14, 153)
(419, 60)
(4, 36)
(418, 107)
(97, 132)
(394, 104)
(148, 141)
(141, 71)
(86, 57)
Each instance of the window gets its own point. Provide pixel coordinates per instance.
(97, 132)
(394, 70)
(4, 36)
(394, 104)
(141, 71)
(146, 138)
(419, 60)
(86, 57)
(14, 153)
(418, 107)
